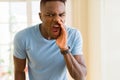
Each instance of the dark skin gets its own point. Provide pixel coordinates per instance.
(53, 17)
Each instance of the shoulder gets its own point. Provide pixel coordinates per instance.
(73, 31)
(25, 32)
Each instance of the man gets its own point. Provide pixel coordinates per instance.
(50, 47)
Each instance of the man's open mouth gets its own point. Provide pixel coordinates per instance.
(55, 29)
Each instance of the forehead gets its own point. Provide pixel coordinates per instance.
(53, 6)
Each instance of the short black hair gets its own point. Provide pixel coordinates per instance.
(42, 2)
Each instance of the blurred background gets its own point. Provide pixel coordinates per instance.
(98, 21)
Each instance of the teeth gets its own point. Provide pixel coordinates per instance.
(56, 26)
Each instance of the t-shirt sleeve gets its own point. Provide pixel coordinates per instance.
(77, 44)
(19, 46)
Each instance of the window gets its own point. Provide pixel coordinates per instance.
(15, 15)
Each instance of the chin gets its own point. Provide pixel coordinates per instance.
(54, 37)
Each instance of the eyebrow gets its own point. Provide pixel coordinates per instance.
(49, 12)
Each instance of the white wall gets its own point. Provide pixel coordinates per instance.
(104, 39)
(68, 13)
(100, 27)
(110, 37)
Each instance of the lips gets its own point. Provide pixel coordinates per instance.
(55, 30)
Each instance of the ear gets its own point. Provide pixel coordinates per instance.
(40, 16)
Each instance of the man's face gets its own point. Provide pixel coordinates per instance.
(51, 13)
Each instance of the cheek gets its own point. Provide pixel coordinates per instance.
(47, 20)
(47, 23)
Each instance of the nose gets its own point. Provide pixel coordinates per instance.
(57, 18)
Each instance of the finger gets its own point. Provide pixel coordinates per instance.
(61, 24)
(59, 21)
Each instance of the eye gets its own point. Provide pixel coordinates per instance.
(50, 15)
(61, 15)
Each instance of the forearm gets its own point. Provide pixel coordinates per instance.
(19, 66)
(74, 64)
(19, 75)
(76, 70)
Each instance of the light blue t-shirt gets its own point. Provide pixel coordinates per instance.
(45, 62)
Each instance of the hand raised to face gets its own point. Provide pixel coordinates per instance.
(61, 41)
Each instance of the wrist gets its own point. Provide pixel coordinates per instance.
(65, 50)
